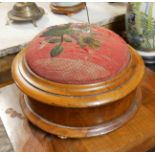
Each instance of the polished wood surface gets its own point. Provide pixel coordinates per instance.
(82, 117)
(6, 83)
(5, 69)
(84, 122)
(86, 110)
(57, 94)
(137, 135)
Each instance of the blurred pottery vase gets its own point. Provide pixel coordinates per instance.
(140, 28)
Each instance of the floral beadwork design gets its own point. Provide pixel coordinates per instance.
(66, 33)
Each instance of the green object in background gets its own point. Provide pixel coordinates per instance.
(140, 25)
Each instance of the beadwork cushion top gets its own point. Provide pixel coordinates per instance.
(75, 54)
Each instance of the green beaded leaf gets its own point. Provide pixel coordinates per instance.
(56, 50)
(81, 43)
(59, 34)
(58, 31)
(93, 43)
(53, 32)
(67, 40)
(54, 40)
(90, 41)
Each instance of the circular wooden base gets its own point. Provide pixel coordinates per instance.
(78, 132)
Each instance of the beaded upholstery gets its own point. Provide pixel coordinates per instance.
(70, 54)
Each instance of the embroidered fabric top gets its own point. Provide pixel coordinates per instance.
(73, 54)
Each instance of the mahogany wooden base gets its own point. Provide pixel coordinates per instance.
(38, 116)
(79, 110)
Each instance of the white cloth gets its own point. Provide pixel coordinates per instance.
(17, 34)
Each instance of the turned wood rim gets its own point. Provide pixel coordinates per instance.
(79, 132)
(80, 101)
(72, 89)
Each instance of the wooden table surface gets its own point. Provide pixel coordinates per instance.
(137, 135)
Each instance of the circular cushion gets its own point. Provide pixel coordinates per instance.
(77, 54)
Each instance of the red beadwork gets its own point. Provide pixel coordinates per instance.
(76, 64)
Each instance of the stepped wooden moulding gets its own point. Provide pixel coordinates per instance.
(78, 81)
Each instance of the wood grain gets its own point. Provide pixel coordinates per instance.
(86, 109)
(137, 135)
(79, 123)
(5, 69)
(6, 83)
(57, 94)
